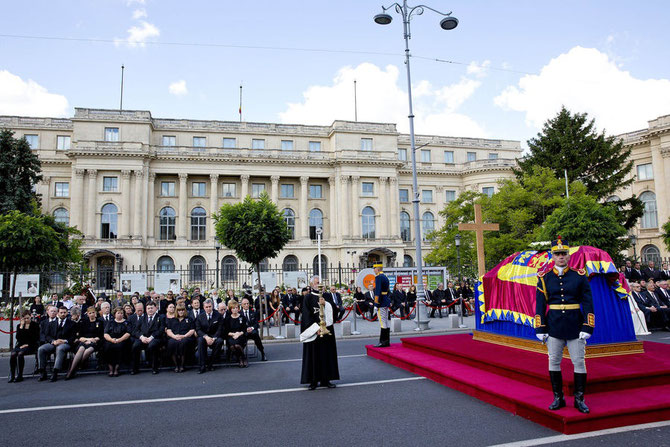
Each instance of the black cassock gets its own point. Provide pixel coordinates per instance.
(319, 357)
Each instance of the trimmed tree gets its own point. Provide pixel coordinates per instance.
(254, 230)
(19, 171)
(666, 234)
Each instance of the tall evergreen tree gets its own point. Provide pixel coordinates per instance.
(19, 172)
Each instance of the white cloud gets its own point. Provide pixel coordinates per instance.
(138, 35)
(19, 97)
(382, 99)
(131, 2)
(139, 14)
(178, 88)
(479, 70)
(587, 80)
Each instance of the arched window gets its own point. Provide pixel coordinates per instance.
(62, 215)
(408, 261)
(198, 224)
(428, 224)
(650, 253)
(368, 222)
(324, 267)
(289, 217)
(229, 268)
(650, 217)
(315, 221)
(167, 218)
(165, 264)
(613, 199)
(290, 264)
(197, 268)
(108, 222)
(405, 231)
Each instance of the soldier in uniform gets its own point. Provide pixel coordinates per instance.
(564, 316)
(382, 302)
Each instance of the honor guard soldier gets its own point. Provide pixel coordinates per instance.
(382, 302)
(564, 316)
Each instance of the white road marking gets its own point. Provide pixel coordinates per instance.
(187, 398)
(592, 434)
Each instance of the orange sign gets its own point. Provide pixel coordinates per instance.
(369, 280)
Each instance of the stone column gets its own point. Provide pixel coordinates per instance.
(345, 207)
(124, 230)
(91, 207)
(340, 205)
(385, 210)
(245, 186)
(77, 199)
(439, 202)
(332, 218)
(43, 189)
(151, 212)
(138, 197)
(304, 218)
(183, 212)
(355, 212)
(395, 216)
(275, 188)
(213, 201)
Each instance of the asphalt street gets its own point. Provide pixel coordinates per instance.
(374, 404)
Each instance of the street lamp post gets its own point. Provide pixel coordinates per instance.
(218, 247)
(633, 241)
(319, 232)
(457, 242)
(447, 23)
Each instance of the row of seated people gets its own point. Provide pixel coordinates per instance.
(654, 302)
(115, 337)
(635, 272)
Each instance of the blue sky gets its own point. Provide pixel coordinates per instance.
(517, 62)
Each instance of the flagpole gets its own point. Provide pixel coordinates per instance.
(355, 103)
(240, 102)
(121, 103)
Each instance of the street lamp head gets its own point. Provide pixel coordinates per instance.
(457, 239)
(448, 23)
(217, 246)
(633, 239)
(383, 18)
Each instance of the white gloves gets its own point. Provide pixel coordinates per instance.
(584, 335)
(542, 337)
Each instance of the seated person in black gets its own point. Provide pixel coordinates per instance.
(117, 336)
(91, 331)
(236, 332)
(181, 337)
(148, 337)
(37, 309)
(209, 328)
(252, 327)
(27, 338)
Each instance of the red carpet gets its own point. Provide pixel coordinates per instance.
(621, 390)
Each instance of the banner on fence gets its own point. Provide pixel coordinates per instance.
(295, 279)
(166, 282)
(268, 280)
(133, 282)
(26, 285)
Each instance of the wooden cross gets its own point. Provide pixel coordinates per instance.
(479, 227)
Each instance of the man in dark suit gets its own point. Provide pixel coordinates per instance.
(369, 301)
(195, 310)
(209, 327)
(655, 313)
(148, 335)
(59, 335)
(252, 326)
(439, 299)
(135, 320)
(627, 270)
(336, 299)
(636, 273)
(54, 301)
(663, 293)
(452, 296)
(665, 272)
(651, 272)
(294, 302)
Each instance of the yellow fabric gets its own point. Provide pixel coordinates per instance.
(564, 306)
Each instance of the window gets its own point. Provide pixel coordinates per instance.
(368, 189)
(366, 144)
(229, 143)
(287, 145)
(493, 156)
(257, 143)
(368, 223)
(198, 189)
(402, 154)
(449, 195)
(62, 215)
(229, 190)
(315, 146)
(110, 184)
(315, 192)
(449, 157)
(169, 140)
(198, 224)
(650, 216)
(428, 224)
(167, 189)
(63, 142)
(290, 264)
(650, 253)
(488, 190)
(289, 217)
(257, 189)
(613, 199)
(407, 261)
(62, 189)
(425, 155)
(315, 221)
(33, 141)
(403, 195)
(427, 196)
(472, 156)
(166, 223)
(264, 265)
(229, 268)
(199, 143)
(324, 266)
(108, 222)
(196, 268)
(644, 172)
(405, 231)
(286, 191)
(165, 264)
(111, 134)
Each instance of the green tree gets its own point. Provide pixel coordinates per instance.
(253, 229)
(29, 241)
(19, 171)
(569, 142)
(666, 234)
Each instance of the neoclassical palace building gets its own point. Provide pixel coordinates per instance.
(142, 190)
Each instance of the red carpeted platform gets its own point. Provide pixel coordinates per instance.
(621, 390)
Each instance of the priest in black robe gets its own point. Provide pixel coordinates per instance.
(319, 352)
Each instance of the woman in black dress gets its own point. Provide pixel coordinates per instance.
(411, 298)
(180, 331)
(89, 338)
(359, 300)
(235, 330)
(37, 309)
(27, 339)
(117, 335)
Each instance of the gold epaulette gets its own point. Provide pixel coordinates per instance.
(541, 274)
(538, 321)
(582, 272)
(591, 320)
